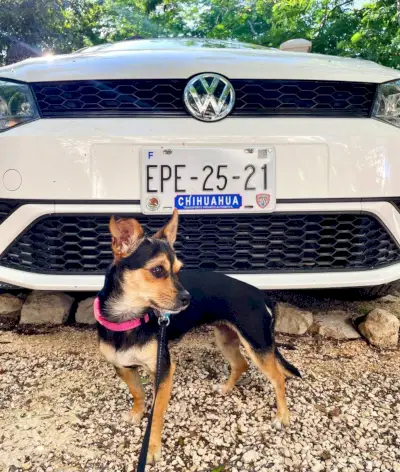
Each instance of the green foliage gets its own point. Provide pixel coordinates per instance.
(30, 27)
(334, 26)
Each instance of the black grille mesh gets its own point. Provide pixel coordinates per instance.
(165, 98)
(256, 243)
(6, 208)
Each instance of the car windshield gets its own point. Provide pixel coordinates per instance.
(169, 43)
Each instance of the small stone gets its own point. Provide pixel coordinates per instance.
(317, 467)
(84, 313)
(298, 447)
(292, 320)
(288, 462)
(334, 324)
(381, 328)
(326, 455)
(46, 308)
(250, 456)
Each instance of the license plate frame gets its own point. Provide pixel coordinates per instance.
(242, 179)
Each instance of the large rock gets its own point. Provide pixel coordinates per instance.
(10, 306)
(84, 313)
(46, 308)
(292, 320)
(390, 303)
(335, 324)
(381, 328)
(10, 310)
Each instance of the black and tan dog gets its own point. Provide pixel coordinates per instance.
(143, 282)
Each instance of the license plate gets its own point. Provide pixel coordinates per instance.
(207, 180)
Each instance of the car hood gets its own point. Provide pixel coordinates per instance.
(171, 59)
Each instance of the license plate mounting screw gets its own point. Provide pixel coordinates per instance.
(249, 150)
(167, 151)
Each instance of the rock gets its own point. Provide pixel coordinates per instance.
(389, 299)
(292, 320)
(334, 324)
(250, 456)
(381, 328)
(46, 308)
(84, 313)
(396, 467)
(10, 307)
(390, 303)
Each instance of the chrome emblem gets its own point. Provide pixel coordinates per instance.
(209, 97)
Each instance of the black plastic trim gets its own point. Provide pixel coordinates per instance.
(258, 272)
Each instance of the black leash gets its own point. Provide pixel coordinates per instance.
(162, 343)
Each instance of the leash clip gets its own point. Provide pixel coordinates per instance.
(164, 319)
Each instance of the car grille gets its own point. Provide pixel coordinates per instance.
(7, 207)
(165, 98)
(237, 243)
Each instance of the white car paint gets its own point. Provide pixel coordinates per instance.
(89, 160)
(99, 158)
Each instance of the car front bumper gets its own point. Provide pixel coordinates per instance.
(91, 167)
(28, 213)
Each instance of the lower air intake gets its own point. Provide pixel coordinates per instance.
(229, 243)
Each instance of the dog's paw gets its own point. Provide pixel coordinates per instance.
(154, 454)
(222, 389)
(282, 418)
(134, 417)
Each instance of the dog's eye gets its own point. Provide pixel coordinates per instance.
(158, 271)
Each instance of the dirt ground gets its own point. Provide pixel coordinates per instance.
(62, 408)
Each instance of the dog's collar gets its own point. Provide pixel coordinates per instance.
(124, 326)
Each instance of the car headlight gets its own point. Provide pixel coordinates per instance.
(387, 103)
(17, 104)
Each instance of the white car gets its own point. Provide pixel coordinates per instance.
(285, 166)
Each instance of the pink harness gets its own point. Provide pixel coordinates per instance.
(124, 326)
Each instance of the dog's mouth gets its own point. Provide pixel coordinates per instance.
(160, 311)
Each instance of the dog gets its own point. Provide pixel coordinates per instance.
(144, 282)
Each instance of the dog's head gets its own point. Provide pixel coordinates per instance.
(144, 272)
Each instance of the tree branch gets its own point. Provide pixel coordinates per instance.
(328, 13)
(254, 31)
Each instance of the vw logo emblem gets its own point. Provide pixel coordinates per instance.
(209, 97)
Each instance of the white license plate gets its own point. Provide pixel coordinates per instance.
(208, 180)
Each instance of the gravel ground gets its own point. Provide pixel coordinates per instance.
(61, 409)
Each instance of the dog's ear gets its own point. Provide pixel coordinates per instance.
(170, 229)
(126, 234)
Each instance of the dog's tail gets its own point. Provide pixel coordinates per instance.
(287, 368)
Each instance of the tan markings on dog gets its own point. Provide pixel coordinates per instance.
(229, 344)
(169, 231)
(163, 396)
(141, 288)
(144, 356)
(164, 261)
(270, 367)
(132, 379)
(177, 266)
(161, 260)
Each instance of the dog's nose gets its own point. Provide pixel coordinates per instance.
(184, 297)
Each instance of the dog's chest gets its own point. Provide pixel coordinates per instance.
(144, 356)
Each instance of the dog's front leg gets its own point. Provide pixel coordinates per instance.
(162, 399)
(131, 377)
